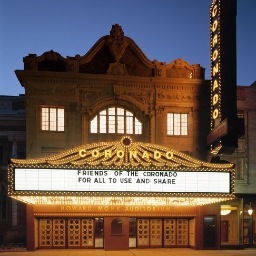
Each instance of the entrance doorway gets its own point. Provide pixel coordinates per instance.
(210, 232)
(247, 234)
(224, 231)
(168, 232)
(116, 233)
(112, 233)
(66, 233)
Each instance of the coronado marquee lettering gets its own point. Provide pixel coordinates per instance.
(121, 153)
(215, 60)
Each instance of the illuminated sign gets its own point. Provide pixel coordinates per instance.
(121, 154)
(78, 180)
(215, 57)
(223, 76)
(218, 132)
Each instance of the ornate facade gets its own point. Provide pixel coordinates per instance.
(115, 72)
(115, 110)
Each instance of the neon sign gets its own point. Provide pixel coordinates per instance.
(215, 60)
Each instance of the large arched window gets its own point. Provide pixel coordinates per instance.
(115, 120)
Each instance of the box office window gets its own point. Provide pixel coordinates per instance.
(116, 227)
(115, 120)
(177, 124)
(52, 119)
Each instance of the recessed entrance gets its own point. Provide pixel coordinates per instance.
(66, 233)
(210, 232)
(112, 233)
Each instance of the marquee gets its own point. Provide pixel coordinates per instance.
(125, 170)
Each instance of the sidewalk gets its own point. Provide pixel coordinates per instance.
(132, 252)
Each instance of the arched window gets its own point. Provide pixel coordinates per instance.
(116, 227)
(115, 120)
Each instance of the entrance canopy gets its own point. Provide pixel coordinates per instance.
(124, 173)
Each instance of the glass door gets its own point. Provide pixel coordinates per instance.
(99, 230)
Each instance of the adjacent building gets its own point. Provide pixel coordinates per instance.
(12, 145)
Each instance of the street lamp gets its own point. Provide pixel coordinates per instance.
(250, 210)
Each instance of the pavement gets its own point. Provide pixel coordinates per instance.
(131, 252)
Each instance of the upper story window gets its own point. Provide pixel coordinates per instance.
(1, 153)
(52, 119)
(177, 124)
(115, 120)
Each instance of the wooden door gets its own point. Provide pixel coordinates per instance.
(156, 232)
(224, 231)
(143, 232)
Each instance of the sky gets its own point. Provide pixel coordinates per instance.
(164, 30)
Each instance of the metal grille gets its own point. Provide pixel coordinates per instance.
(45, 232)
(87, 232)
(156, 232)
(182, 232)
(143, 232)
(74, 232)
(169, 232)
(59, 234)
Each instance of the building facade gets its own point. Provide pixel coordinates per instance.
(124, 152)
(12, 145)
(114, 111)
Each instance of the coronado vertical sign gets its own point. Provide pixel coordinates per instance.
(215, 72)
(223, 75)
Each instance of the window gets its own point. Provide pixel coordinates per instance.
(1, 153)
(116, 120)
(177, 124)
(52, 119)
(116, 227)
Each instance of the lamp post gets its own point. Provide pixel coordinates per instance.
(250, 210)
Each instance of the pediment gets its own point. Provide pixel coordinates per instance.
(116, 54)
(179, 68)
(113, 54)
(51, 61)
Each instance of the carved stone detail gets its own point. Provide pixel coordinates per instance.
(160, 68)
(173, 96)
(143, 97)
(88, 97)
(116, 42)
(179, 69)
(117, 69)
(160, 109)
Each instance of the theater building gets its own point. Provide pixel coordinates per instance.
(119, 154)
(116, 152)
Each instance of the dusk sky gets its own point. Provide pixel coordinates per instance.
(164, 30)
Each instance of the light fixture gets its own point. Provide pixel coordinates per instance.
(250, 210)
(225, 209)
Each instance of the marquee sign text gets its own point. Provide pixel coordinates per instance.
(32, 179)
